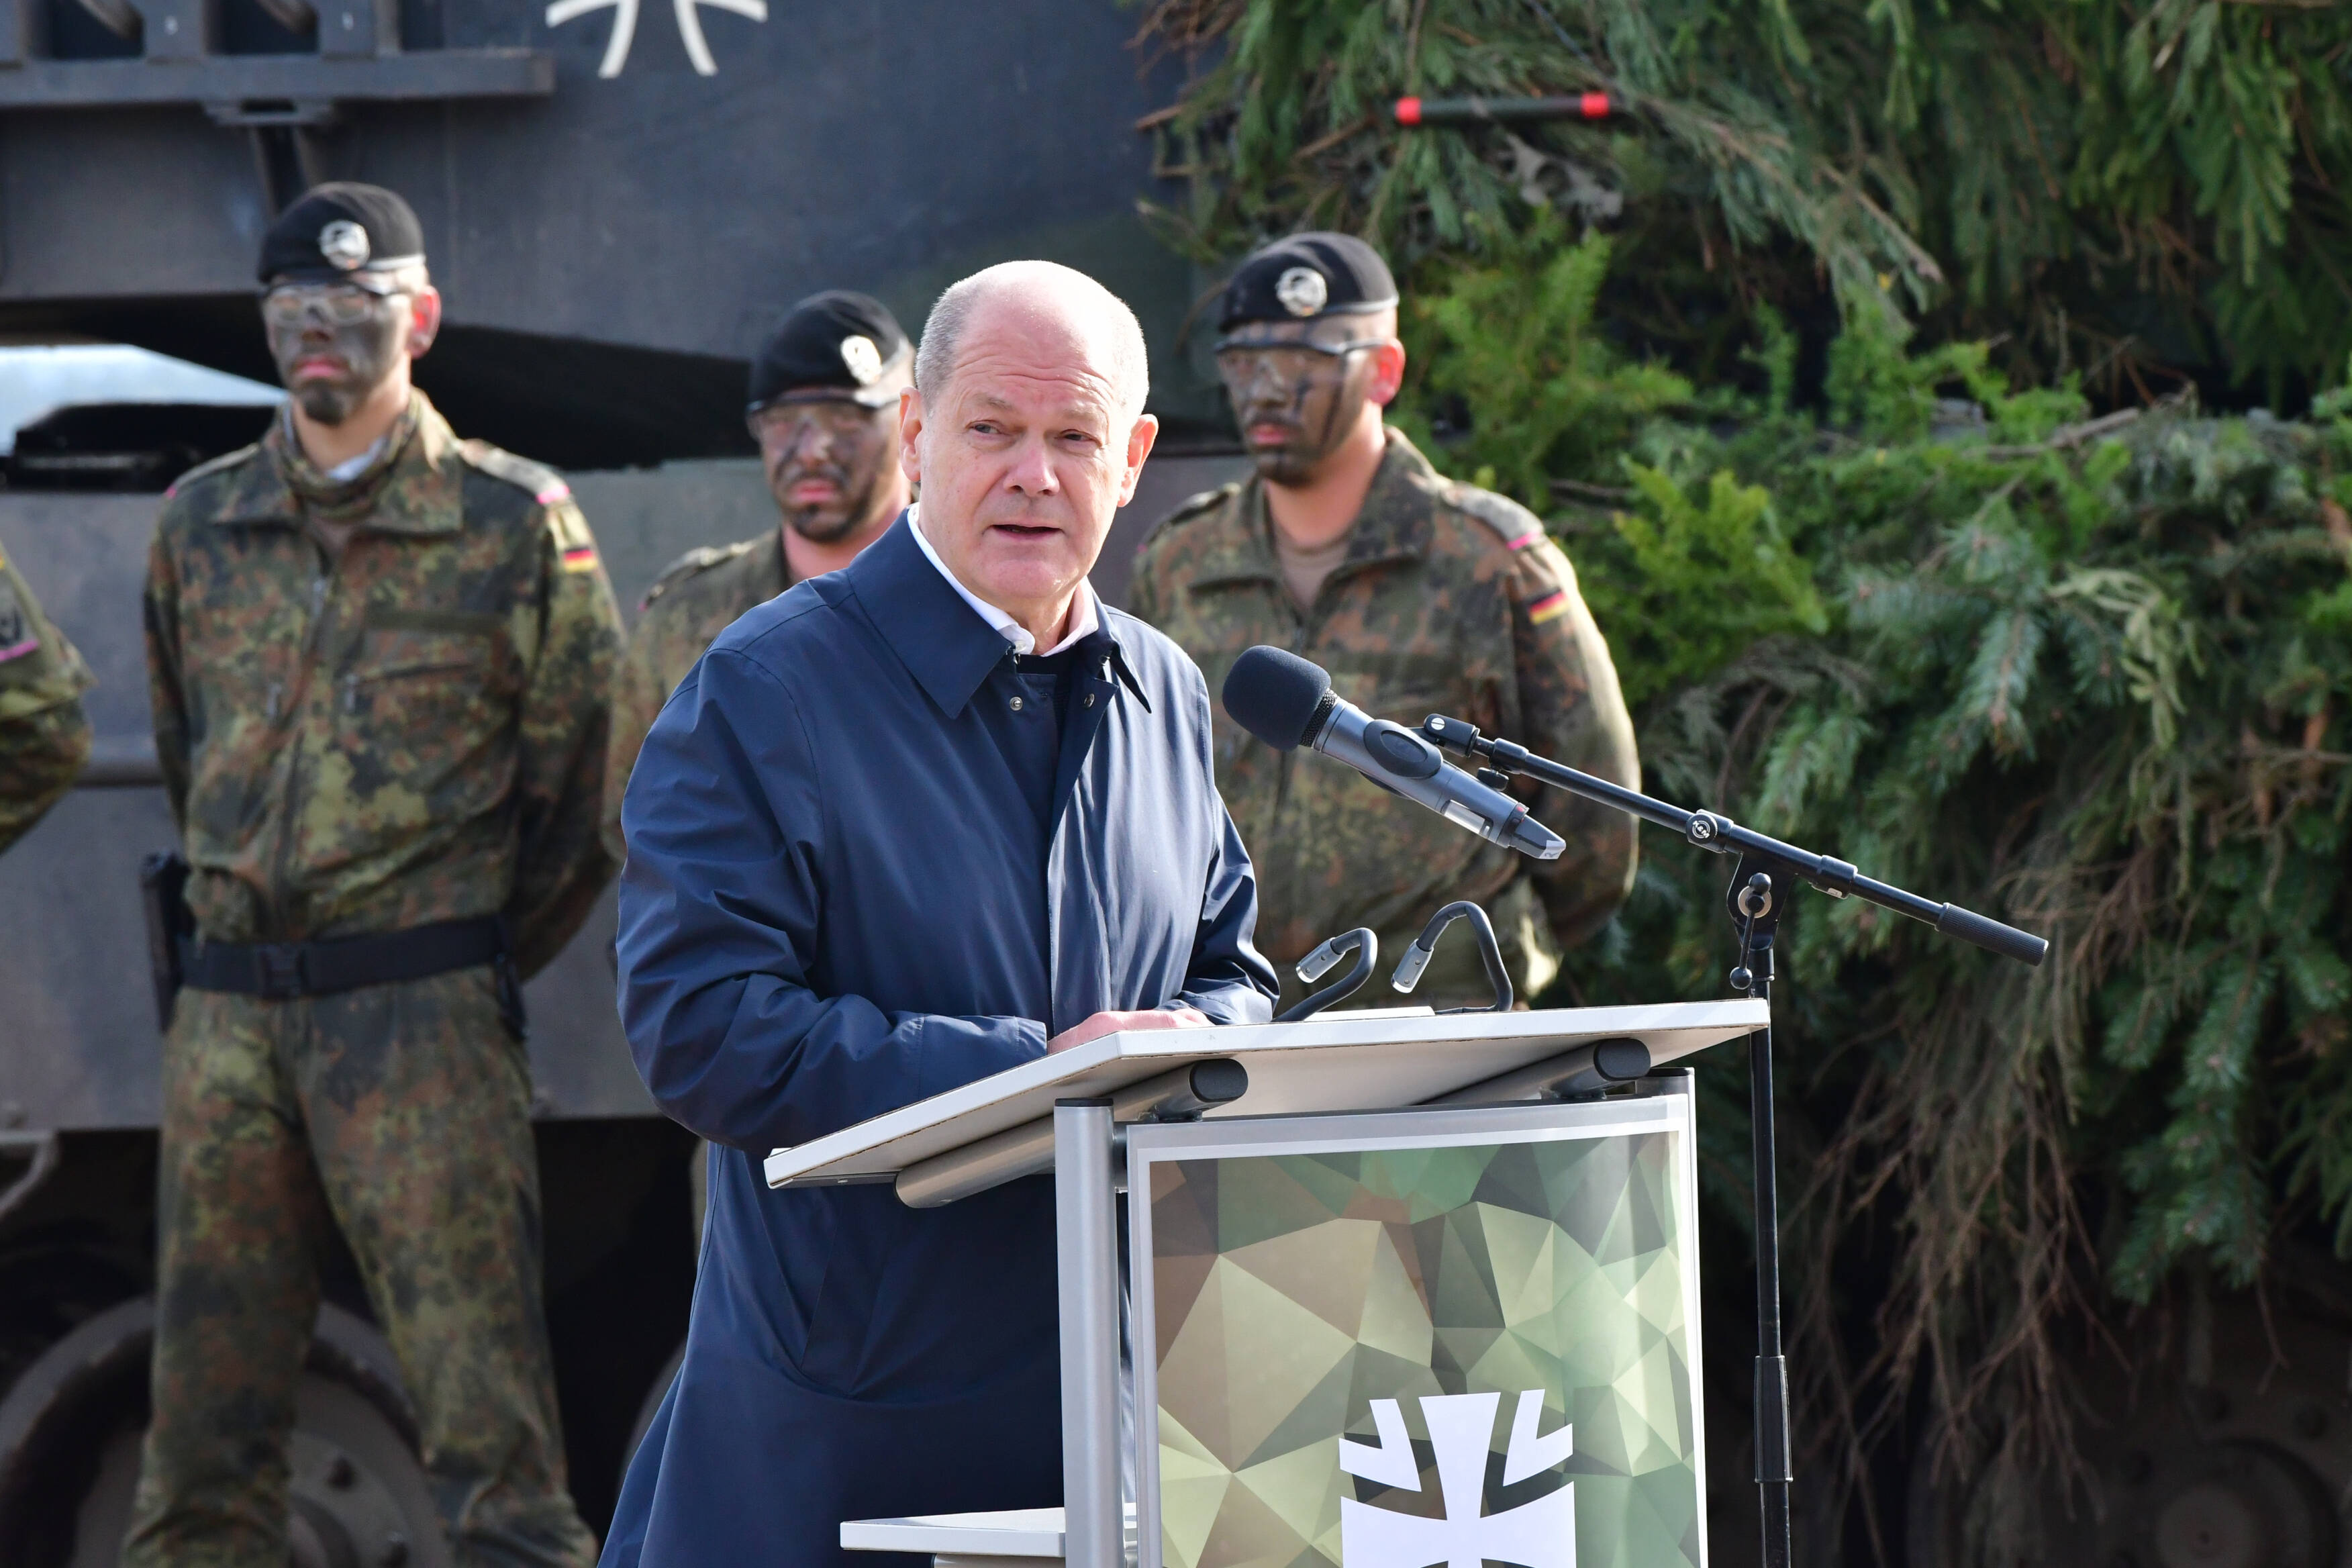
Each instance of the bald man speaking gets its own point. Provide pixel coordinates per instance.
(912, 822)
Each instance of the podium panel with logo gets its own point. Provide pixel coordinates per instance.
(1389, 1341)
(1380, 1308)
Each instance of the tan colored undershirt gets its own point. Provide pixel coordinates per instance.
(1304, 572)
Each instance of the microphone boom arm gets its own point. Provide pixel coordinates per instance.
(1714, 832)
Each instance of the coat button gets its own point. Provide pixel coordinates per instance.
(1090, 699)
(1016, 705)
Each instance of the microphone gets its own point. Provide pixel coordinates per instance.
(1288, 702)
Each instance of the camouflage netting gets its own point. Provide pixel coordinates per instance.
(1934, 609)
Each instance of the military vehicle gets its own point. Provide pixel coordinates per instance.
(619, 200)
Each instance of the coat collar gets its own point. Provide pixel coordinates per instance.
(421, 492)
(1390, 525)
(941, 640)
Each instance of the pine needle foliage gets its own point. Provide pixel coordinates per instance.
(2140, 192)
(2086, 675)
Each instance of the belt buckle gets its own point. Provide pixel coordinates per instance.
(278, 966)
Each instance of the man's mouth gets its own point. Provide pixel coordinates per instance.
(1267, 432)
(318, 367)
(813, 491)
(1023, 531)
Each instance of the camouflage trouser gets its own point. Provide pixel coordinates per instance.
(400, 1113)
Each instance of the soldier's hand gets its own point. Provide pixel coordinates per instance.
(1102, 1024)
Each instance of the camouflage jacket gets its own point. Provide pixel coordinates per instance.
(1449, 600)
(698, 596)
(413, 732)
(44, 734)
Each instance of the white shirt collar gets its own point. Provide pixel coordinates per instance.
(350, 469)
(1084, 616)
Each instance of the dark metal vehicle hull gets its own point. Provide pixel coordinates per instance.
(614, 230)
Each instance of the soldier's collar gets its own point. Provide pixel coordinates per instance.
(425, 493)
(428, 471)
(1390, 526)
(1393, 522)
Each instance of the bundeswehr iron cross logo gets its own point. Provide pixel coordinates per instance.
(1538, 1534)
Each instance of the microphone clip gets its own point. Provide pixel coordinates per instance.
(1490, 954)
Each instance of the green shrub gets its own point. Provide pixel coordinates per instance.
(2082, 675)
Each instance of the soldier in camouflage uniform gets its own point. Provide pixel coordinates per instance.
(1419, 596)
(44, 734)
(824, 409)
(380, 670)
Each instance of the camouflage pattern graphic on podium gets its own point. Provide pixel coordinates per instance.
(1457, 1336)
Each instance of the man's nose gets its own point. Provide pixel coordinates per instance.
(1033, 472)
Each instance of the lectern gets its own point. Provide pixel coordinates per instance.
(1398, 1290)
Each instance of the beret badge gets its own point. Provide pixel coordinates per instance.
(862, 358)
(1302, 291)
(344, 244)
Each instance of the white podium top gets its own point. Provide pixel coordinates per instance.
(1016, 1532)
(1372, 1060)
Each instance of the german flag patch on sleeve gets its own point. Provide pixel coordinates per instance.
(1550, 607)
(573, 542)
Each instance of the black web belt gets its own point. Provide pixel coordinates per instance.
(283, 970)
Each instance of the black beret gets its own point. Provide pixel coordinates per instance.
(1306, 276)
(341, 228)
(837, 341)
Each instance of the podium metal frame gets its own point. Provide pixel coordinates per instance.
(1378, 1073)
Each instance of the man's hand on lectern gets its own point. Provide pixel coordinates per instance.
(1102, 1024)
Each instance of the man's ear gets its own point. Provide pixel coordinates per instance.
(424, 320)
(911, 431)
(1139, 438)
(1388, 373)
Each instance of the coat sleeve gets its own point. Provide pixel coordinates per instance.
(720, 901)
(166, 692)
(566, 710)
(1229, 979)
(1575, 715)
(639, 694)
(44, 733)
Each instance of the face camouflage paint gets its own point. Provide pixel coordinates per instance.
(826, 460)
(334, 344)
(1294, 397)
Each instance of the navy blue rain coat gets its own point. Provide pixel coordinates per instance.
(842, 896)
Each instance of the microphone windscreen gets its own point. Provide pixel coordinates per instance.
(1274, 695)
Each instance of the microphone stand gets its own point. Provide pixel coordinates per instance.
(1768, 873)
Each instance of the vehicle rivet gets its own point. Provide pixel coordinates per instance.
(340, 1473)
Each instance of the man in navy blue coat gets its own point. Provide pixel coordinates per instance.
(906, 825)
